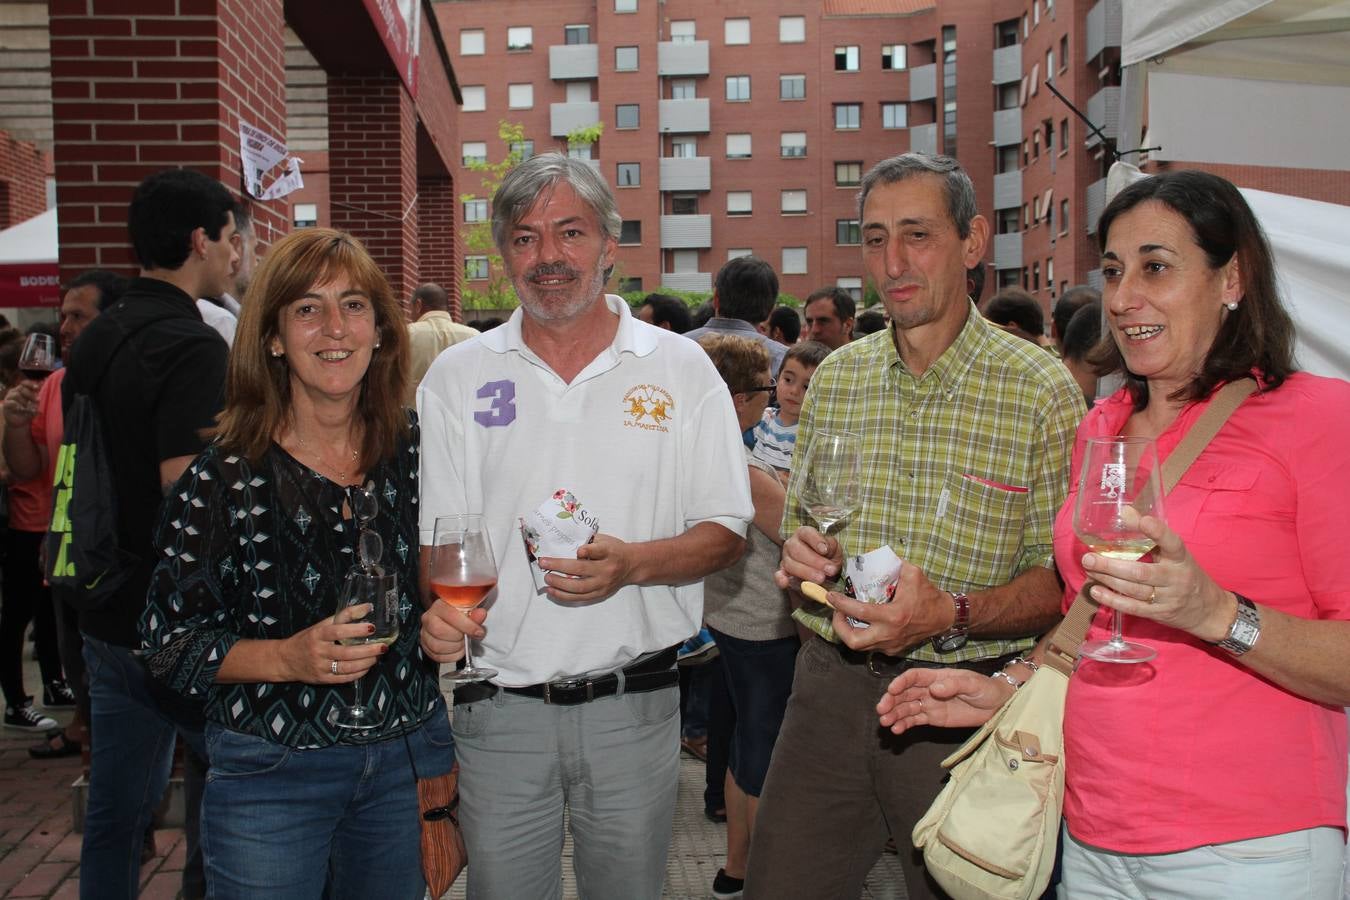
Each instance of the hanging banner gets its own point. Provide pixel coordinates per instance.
(260, 155)
(399, 23)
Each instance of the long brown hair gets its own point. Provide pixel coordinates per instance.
(258, 385)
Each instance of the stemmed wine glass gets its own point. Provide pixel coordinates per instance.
(367, 582)
(463, 572)
(831, 488)
(1119, 485)
(38, 359)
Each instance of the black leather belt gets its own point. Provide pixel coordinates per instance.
(648, 674)
(883, 666)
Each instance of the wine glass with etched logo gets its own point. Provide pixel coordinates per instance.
(1119, 484)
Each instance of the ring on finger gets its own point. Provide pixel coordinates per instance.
(333, 667)
(1152, 595)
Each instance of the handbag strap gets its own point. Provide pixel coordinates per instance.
(1062, 651)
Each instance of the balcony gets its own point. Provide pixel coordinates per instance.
(683, 58)
(1008, 251)
(923, 138)
(1103, 110)
(1094, 203)
(684, 116)
(1008, 190)
(564, 118)
(1007, 126)
(1103, 29)
(687, 281)
(686, 232)
(1008, 64)
(686, 174)
(569, 62)
(923, 82)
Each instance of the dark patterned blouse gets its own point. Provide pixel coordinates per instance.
(261, 552)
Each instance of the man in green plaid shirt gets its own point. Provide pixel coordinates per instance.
(966, 435)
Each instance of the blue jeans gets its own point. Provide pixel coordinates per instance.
(337, 822)
(131, 754)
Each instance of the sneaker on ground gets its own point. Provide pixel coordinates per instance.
(698, 649)
(57, 694)
(25, 718)
(725, 887)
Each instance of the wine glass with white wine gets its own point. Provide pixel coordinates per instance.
(1119, 484)
(832, 485)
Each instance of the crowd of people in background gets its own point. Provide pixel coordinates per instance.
(274, 424)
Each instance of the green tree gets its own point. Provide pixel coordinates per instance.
(499, 293)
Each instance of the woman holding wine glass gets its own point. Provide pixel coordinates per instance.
(286, 600)
(1218, 768)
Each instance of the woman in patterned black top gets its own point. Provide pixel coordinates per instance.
(256, 539)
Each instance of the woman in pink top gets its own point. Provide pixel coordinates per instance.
(1219, 769)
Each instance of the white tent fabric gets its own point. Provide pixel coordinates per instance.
(32, 240)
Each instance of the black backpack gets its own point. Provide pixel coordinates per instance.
(84, 554)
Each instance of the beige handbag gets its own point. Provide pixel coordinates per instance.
(992, 831)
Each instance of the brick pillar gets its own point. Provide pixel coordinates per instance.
(372, 159)
(436, 240)
(142, 85)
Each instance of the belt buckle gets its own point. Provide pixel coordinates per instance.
(571, 685)
(872, 655)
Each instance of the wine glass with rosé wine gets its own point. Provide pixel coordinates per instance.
(463, 572)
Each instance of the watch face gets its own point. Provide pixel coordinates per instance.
(948, 642)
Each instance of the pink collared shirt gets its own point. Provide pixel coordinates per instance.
(1193, 748)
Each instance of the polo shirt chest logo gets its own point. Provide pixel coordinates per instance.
(649, 407)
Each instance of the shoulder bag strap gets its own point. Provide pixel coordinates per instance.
(1062, 651)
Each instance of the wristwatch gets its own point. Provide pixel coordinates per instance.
(1245, 630)
(954, 638)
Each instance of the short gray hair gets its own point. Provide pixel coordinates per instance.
(960, 191)
(522, 186)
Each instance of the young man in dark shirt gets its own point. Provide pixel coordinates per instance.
(155, 398)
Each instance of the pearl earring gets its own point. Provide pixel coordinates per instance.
(1231, 306)
(377, 346)
(276, 354)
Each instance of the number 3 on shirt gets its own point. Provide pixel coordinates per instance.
(502, 410)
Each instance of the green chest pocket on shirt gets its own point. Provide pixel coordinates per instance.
(977, 530)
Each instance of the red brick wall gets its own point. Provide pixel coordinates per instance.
(23, 180)
(142, 85)
(372, 146)
(1313, 184)
(436, 237)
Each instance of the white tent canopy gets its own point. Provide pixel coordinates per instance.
(32, 240)
(1292, 57)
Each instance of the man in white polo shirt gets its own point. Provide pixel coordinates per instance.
(575, 393)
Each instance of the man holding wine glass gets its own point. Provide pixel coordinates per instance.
(574, 395)
(964, 434)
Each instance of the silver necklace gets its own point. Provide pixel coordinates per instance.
(342, 475)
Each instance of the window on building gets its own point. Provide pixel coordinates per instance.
(1064, 217)
(475, 210)
(472, 42)
(792, 202)
(1049, 125)
(684, 205)
(738, 88)
(847, 174)
(523, 149)
(629, 175)
(579, 151)
(851, 283)
(520, 96)
(846, 59)
(1005, 159)
(578, 92)
(738, 203)
(625, 59)
(737, 31)
(1036, 276)
(1005, 33)
(630, 231)
(684, 261)
(630, 285)
(576, 34)
(682, 31)
(475, 97)
(475, 267)
(1063, 53)
(625, 6)
(892, 57)
(738, 146)
(792, 143)
(847, 115)
(1005, 221)
(847, 231)
(894, 115)
(791, 87)
(1050, 64)
(949, 90)
(473, 152)
(1026, 33)
(1035, 145)
(683, 89)
(1009, 278)
(794, 261)
(1050, 275)
(1006, 96)
(738, 252)
(1049, 210)
(683, 147)
(1063, 135)
(626, 115)
(791, 29)
(305, 215)
(520, 37)
(1035, 13)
